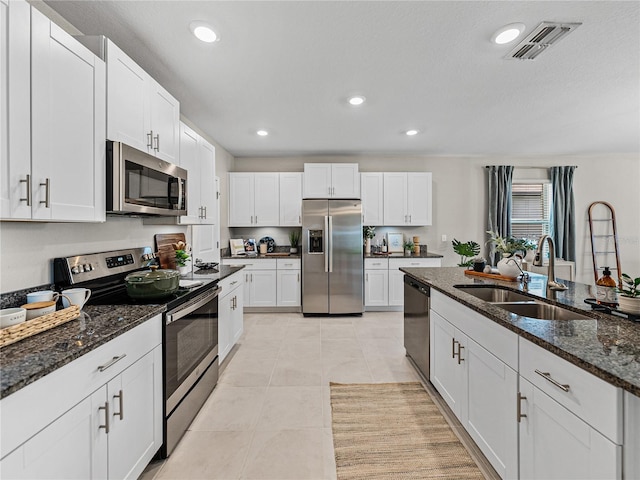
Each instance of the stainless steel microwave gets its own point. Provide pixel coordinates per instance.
(139, 183)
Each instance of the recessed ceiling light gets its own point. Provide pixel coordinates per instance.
(356, 100)
(411, 133)
(508, 33)
(262, 133)
(203, 32)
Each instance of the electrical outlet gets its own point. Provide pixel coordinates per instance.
(444, 238)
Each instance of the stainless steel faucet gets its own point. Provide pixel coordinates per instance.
(552, 285)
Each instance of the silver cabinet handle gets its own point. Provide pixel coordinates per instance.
(547, 376)
(47, 192)
(410, 221)
(519, 413)
(298, 278)
(256, 219)
(233, 283)
(328, 190)
(251, 275)
(120, 397)
(157, 147)
(150, 139)
(205, 212)
(111, 362)
(367, 277)
(460, 359)
(453, 347)
(28, 182)
(106, 417)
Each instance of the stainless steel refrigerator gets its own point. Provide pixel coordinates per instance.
(332, 261)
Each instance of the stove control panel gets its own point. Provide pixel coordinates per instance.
(94, 266)
(120, 260)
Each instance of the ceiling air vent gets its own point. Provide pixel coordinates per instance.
(541, 39)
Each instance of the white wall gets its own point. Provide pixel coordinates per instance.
(460, 197)
(29, 247)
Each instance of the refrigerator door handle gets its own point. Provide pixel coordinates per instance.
(330, 237)
(326, 248)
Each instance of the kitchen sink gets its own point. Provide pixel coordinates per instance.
(493, 294)
(541, 311)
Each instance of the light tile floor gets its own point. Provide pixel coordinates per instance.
(269, 416)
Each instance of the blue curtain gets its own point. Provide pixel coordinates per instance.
(500, 181)
(563, 219)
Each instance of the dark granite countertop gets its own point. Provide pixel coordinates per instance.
(607, 346)
(422, 254)
(28, 360)
(260, 257)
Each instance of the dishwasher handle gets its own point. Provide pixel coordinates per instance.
(424, 289)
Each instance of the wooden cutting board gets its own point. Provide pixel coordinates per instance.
(494, 276)
(164, 247)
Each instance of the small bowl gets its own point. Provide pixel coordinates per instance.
(37, 309)
(12, 316)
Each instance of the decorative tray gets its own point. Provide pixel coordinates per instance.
(28, 328)
(612, 310)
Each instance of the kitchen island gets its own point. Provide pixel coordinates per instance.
(552, 398)
(606, 346)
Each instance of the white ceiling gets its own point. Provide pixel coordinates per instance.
(288, 66)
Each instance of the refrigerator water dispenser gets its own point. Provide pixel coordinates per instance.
(315, 241)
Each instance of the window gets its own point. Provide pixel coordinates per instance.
(531, 210)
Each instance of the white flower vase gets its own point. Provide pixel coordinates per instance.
(367, 246)
(508, 265)
(531, 254)
(184, 270)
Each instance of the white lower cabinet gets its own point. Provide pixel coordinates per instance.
(448, 374)
(473, 365)
(289, 281)
(111, 431)
(230, 314)
(387, 290)
(532, 414)
(556, 444)
(270, 282)
(376, 282)
(631, 447)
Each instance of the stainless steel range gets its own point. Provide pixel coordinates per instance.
(190, 336)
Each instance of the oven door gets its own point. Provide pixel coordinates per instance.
(191, 345)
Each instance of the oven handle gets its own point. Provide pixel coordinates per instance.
(190, 307)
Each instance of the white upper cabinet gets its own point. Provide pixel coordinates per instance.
(197, 156)
(15, 110)
(291, 199)
(140, 112)
(371, 189)
(254, 199)
(62, 177)
(407, 198)
(331, 180)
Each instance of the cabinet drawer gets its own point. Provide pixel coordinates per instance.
(288, 263)
(30, 409)
(231, 282)
(252, 263)
(495, 338)
(395, 263)
(595, 401)
(376, 264)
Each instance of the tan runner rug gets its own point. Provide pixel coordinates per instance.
(394, 431)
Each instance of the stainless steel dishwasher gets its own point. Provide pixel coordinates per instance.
(416, 324)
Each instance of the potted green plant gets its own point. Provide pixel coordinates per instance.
(512, 251)
(466, 250)
(181, 251)
(629, 294)
(294, 239)
(368, 232)
(408, 247)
